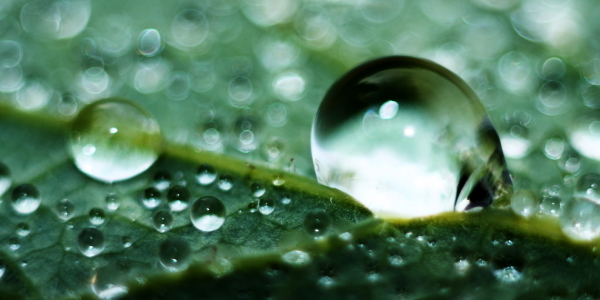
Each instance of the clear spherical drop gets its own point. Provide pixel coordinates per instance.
(588, 186)
(114, 140)
(14, 243)
(97, 216)
(163, 221)
(208, 213)
(317, 222)
(91, 242)
(408, 138)
(524, 203)
(278, 180)
(225, 182)
(178, 197)
(580, 219)
(584, 135)
(109, 282)
(5, 178)
(551, 205)
(26, 199)
(151, 198)
(257, 189)
(162, 180)
(206, 174)
(174, 253)
(65, 209)
(23, 229)
(112, 202)
(126, 241)
(266, 205)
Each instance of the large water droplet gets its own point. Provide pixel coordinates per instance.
(266, 205)
(206, 174)
(178, 197)
(65, 209)
(91, 242)
(114, 140)
(151, 198)
(5, 179)
(208, 213)
(317, 222)
(408, 138)
(163, 221)
(26, 199)
(174, 253)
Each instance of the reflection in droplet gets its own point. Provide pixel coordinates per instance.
(266, 205)
(26, 199)
(208, 213)
(206, 174)
(524, 203)
(150, 43)
(584, 135)
(113, 140)
(65, 209)
(190, 28)
(174, 253)
(225, 182)
(163, 221)
(5, 178)
(151, 198)
(317, 222)
(178, 197)
(91, 242)
(451, 158)
(97, 216)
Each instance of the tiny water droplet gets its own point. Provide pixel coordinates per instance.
(178, 197)
(317, 222)
(26, 199)
(253, 206)
(396, 260)
(225, 182)
(588, 186)
(257, 189)
(278, 180)
(97, 216)
(508, 274)
(524, 203)
(163, 221)
(409, 114)
(5, 179)
(14, 244)
(296, 257)
(551, 205)
(151, 198)
(65, 209)
(285, 200)
(208, 213)
(162, 180)
(266, 205)
(23, 229)
(126, 240)
(112, 202)
(174, 253)
(91, 242)
(114, 140)
(206, 174)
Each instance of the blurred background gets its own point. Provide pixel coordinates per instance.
(245, 78)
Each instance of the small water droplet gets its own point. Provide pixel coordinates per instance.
(296, 257)
(225, 182)
(162, 180)
(208, 213)
(580, 219)
(14, 244)
(258, 190)
(5, 179)
(151, 198)
(317, 222)
(126, 241)
(524, 203)
(396, 260)
(508, 274)
(404, 113)
(91, 242)
(285, 200)
(163, 221)
(23, 229)
(26, 199)
(65, 209)
(278, 180)
(206, 174)
(97, 216)
(113, 140)
(174, 253)
(150, 43)
(551, 205)
(326, 281)
(266, 205)
(112, 202)
(588, 186)
(178, 197)
(253, 206)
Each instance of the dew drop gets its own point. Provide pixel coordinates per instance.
(296, 257)
(149, 43)
(524, 203)
(584, 135)
(91, 242)
(26, 199)
(174, 253)
(178, 197)
(14, 244)
(206, 174)
(551, 205)
(580, 219)
(253, 206)
(278, 180)
(396, 260)
(225, 182)
(257, 189)
(114, 140)
(151, 198)
(65, 209)
(5, 178)
(97, 216)
(162, 180)
(208, 213)
(112, 202)
(266, 205)
(285, 200)
(23, 229)
(508, 274)
(163, 221)
(126, 241)
(317, 222)
(109, 282)
(588, 186)
(403, 113)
